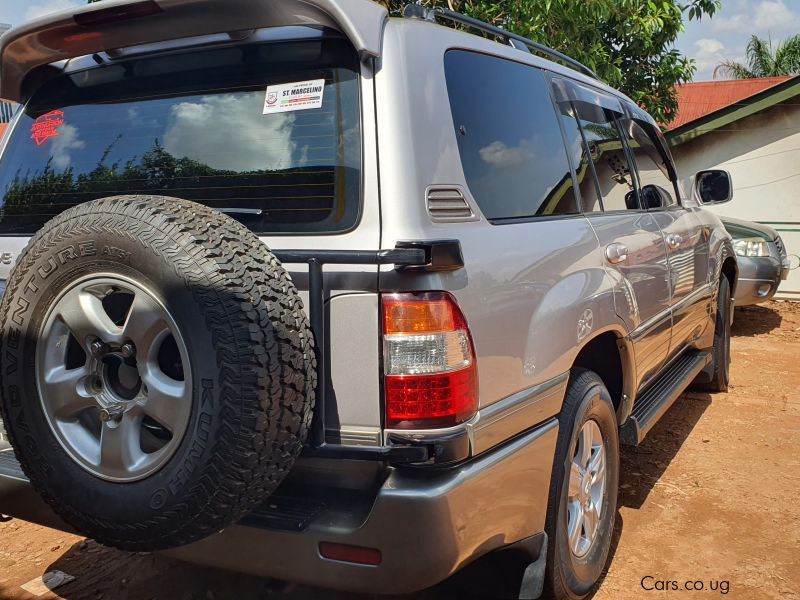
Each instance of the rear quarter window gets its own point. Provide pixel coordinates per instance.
(195, 129)
(509, 139)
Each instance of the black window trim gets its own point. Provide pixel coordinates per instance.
(676, 205)
(580, 90)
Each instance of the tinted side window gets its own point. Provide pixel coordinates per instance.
(604, 142)
(508, 137)
(584, 169)
(657, 189)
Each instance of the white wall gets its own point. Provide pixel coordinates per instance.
(762, 153)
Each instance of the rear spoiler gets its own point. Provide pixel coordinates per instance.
(115, 24)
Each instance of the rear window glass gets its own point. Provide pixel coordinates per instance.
(197, 127)
(509, 138)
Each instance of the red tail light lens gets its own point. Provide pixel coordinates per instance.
(430, 375)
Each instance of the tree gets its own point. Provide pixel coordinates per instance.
(764, 61)
(628, 43)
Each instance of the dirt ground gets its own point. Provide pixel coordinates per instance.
(710, 498)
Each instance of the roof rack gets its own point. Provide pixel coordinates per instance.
(417, 11)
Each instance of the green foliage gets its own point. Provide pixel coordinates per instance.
(764, 61)
(628, 43)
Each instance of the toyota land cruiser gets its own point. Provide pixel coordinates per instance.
(305, 291)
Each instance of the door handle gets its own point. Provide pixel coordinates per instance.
(616, 253)
(674, 240)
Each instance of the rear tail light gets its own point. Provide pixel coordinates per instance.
(430, 375)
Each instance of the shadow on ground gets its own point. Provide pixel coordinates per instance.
(749, 321)
(642, 467)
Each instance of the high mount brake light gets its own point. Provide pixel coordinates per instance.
(115, 14)
(430, 375)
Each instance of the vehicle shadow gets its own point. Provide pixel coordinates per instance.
(750, 321)
(102, 572)
(641, 467)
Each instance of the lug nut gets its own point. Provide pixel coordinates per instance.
(128, 350)
(98, 348)
(112, 416)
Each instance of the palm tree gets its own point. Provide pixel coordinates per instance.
(763, 61)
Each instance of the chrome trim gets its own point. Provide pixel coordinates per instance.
(516, 413)
(643, 328)
(646, 326)
(707, 290)
(355, 436)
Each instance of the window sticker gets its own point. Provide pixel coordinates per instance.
(287, 97)
(46, 126)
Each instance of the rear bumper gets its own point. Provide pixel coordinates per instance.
(426, 524)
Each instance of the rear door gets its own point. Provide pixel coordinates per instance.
(200, 126)
(630, 238)
(685, 238)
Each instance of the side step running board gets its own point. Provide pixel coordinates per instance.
(651, 405)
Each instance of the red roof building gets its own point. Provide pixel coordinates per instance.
(696, 100)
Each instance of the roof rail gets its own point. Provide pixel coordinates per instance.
(417, 11)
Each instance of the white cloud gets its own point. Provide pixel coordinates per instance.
(736, 23)
(709, 52)
(708, 46)
(775, 15)
(499, 155)
(50, 6)
(761, 18)
(66, 141)
(229, 131)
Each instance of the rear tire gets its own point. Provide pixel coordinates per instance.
(576, 562)
(161, 443)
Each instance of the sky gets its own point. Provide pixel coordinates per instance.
(708, 41)
(725, 35)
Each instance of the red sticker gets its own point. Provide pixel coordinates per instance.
(45, 127)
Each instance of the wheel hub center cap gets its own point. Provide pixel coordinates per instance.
(116, 382)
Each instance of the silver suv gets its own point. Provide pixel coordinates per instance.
(305, 291)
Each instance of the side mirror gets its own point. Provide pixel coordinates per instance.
(714, 186)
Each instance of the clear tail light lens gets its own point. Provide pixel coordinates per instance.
(430, 375)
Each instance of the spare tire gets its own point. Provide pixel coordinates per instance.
(157, 367)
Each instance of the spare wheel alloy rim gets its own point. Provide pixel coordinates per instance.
(113, 376)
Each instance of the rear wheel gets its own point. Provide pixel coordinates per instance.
(583, 490)
(157, 371)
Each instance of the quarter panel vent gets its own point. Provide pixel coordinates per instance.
(449, 204)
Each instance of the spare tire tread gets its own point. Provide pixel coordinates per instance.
(267, 381)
